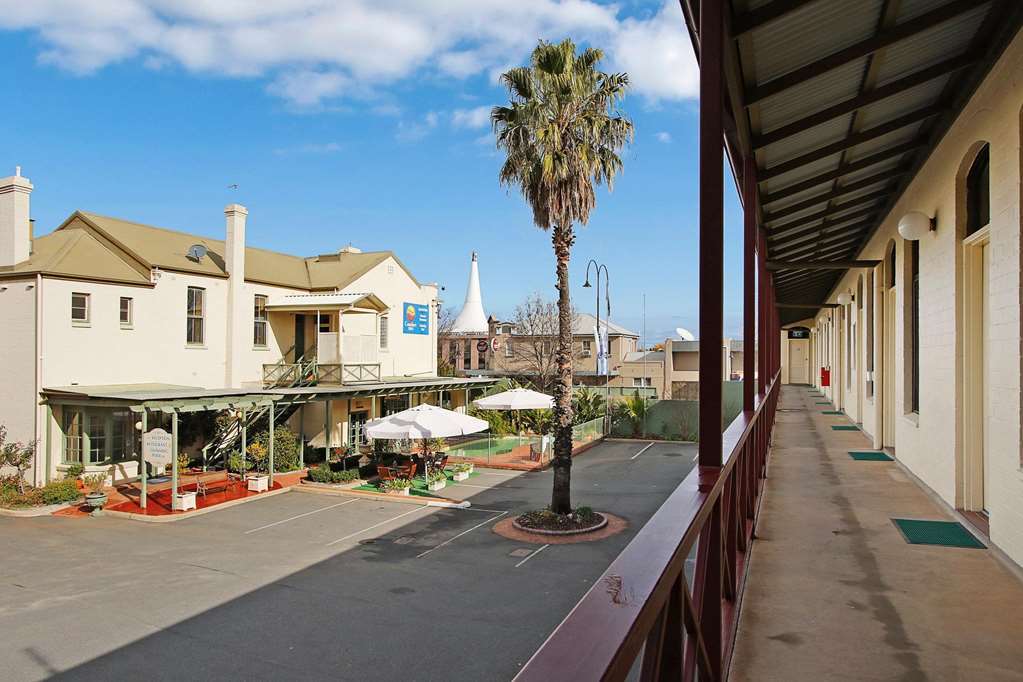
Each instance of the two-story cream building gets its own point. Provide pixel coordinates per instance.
(103, 315)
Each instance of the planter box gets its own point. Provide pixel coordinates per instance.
(183, 502)
(403, 492)
(259, 484)
(460, 475)
(436, 485)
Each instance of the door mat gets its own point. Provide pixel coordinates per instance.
(942, 533)
(823, 402)
(832, 412)
(845, 427)
(869, 456)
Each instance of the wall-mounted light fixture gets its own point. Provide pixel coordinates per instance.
(915, 224)
(844, 298)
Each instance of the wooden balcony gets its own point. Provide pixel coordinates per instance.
(313, 373)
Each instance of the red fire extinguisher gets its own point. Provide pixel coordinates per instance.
(825, 376)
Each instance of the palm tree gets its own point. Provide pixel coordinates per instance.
(562, 133)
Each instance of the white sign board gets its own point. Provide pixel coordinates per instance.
(156, 447)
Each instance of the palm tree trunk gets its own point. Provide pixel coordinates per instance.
(561, 498)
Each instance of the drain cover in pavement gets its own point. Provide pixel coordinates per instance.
(519, 553)
(943, 533)
(403, 540)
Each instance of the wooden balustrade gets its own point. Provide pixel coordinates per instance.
(645, 610)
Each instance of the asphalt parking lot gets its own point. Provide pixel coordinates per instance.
(308, 586)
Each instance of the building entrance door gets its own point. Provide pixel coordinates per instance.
(799, 368)
(888, 370)
(299, 337)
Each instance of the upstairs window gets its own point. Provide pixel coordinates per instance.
(126, 312)
(80, 308)
(467, 355)
(508, 351)
(195, 313)
(384, 333)
(259, 321)
(978, 192)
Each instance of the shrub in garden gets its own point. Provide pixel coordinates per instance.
(58, 492)
(73, 471)
(324, 474)
(285, 450)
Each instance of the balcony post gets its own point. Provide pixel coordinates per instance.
(749, 205)
(712, 31)
(762, 313)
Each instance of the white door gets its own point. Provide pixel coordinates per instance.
(888, 370)
(798, 359)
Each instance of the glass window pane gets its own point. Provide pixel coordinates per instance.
(97, 438)
(72, 427)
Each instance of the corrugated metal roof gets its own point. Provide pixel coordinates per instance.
(810, 96)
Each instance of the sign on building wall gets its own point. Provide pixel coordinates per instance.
(156, 447)
(416, 319)
(799, 333)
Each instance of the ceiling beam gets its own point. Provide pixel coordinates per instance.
(879, 41)
(860, 101)
(841, 190)
(810, 217)
(851, 141)
(753, 19)
(795, 227)
(798, 251)
(805, 306)
(820, 264)
(818, 231)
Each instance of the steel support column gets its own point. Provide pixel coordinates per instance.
(749, 281)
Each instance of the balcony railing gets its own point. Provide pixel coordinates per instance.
(646, 612)
(310, 373)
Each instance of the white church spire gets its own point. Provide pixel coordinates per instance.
(472, 319)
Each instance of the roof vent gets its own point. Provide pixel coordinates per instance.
(196, 252)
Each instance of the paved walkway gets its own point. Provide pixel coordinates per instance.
(835, 593)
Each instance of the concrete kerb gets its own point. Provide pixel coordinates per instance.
(196, 512)
(37, 511)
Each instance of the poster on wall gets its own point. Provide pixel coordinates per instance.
(416, 318)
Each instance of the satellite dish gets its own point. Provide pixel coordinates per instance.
(196, 252)
(684, 334)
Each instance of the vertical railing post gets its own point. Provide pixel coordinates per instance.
(749, 206)
(711, 314)
(762, 316)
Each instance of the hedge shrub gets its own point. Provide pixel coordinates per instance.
(285, 450)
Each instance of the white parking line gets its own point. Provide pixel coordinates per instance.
(650, 445)
(450, 540)
(532, 555)
(292, 518)
(375, 525)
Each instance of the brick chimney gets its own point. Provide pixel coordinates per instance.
(15, 229)
(238, 308)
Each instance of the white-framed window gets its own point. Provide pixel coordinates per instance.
(126, 312)
(508, 351)
(259, 321)
(642, 382)
(80, 308)
(498, 330)
(96, 436)
(195, 313)
(587, 348)
(326, 324)
(384, 333)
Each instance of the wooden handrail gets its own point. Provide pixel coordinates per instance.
(644, 598)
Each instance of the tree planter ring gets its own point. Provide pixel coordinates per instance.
(576, 531)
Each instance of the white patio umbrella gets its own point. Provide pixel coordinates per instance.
(516, 399)
(424, 421)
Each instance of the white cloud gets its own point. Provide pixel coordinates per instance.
(663, 137)
(657, 55)
(310, 51)
(417, 130)
(478, 117)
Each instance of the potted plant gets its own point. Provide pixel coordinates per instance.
(436, 480)
(95, 498)
(396, 486)
(74, 473)
(461, 471)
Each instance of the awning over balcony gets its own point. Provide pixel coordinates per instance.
(326, 303)
(840, 103)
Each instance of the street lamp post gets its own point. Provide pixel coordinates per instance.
(600, 339)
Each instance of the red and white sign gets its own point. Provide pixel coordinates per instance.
(495, 344)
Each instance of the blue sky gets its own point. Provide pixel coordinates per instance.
(354, 122)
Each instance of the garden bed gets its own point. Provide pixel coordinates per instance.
(53, 495)
(546, 522)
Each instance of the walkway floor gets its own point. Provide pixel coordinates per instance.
(835, 593)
